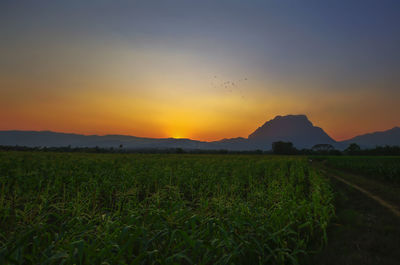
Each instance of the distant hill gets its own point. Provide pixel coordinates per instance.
(293, 128)
(371, 140)
(55, 139)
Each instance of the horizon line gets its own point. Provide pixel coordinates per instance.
(177, 138)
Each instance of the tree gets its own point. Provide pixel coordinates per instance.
(179, 150)
(353, 149)
(322, 147)
(283, 148)
(258, 152)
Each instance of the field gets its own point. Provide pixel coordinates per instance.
(66, 208)
(378, 167)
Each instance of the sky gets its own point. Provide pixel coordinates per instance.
(203, 70)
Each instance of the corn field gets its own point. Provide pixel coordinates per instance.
(381, 168)
(70, 208)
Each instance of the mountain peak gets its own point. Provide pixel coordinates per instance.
(294, 128)
(283, 124)
(292, 118)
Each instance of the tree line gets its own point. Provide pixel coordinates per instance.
(279, 148)
(287, 148)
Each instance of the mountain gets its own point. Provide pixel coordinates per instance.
(291, 128)
(55, 139)
(371, 140)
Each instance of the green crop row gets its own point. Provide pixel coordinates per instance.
(159, 209)
(382, 168)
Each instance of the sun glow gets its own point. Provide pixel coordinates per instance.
(178, 134)
(178, 137)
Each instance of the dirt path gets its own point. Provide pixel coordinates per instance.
(366, 229)
(389, 206)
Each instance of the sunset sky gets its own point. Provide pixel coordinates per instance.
(203, 70)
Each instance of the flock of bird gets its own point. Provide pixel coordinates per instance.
(229, 86)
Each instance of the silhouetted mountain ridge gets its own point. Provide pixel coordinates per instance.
(297, 129)
(371, 140)
(291, 128)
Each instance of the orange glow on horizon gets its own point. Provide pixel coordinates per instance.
(185, 103)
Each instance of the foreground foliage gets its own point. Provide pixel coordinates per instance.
(385, 168)
(159, 209)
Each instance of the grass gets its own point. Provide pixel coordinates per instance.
(61, 208)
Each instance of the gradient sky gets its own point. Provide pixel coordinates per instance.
(198, 69)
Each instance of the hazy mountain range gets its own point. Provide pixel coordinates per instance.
(294, 128)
